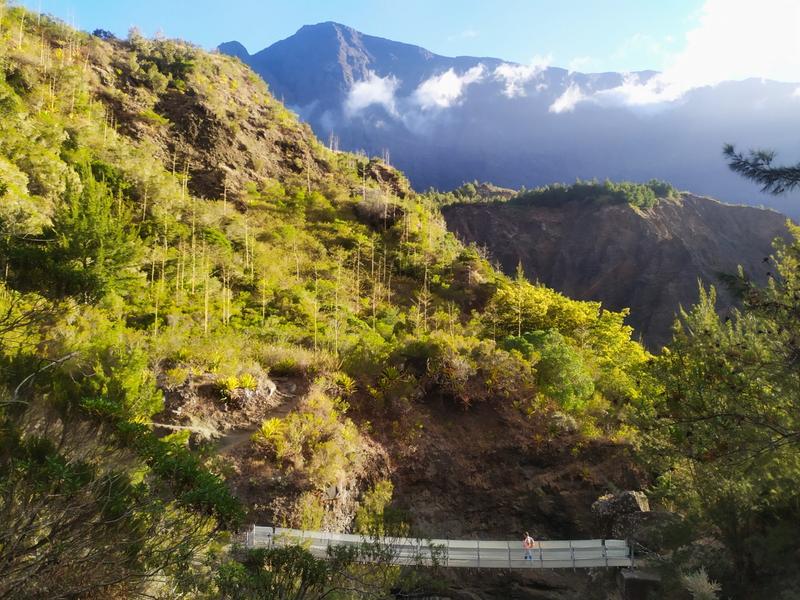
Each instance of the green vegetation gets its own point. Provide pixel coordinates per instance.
(757, 165)
(638, 195)
(724, 429)
(472, 193)
(315, 441)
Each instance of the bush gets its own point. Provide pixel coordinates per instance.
(153, 117)
(315, 442)
(370, 516)
(700, 586)
(309, 512)
(561, 372)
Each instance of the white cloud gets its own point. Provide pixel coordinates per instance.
(737, 39)
(515, 76)
(796, 93)
(634, 92)
(567, 101)
(445, 89)
(372, 90)
(733, 40)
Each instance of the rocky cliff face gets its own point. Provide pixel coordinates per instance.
(648, 260)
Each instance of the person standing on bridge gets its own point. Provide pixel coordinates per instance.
(527, 543)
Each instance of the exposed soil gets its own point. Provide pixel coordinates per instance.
(199, 402)
(489, 472)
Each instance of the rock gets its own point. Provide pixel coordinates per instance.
(621, 504)
(652, 530)
(638, 585)
(612, 509)
(627, 516)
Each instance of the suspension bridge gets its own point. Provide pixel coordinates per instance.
(480, 554)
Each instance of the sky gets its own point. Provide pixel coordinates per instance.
(694, 42)
(619, 35)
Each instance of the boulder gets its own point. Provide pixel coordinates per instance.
(611, 509)
(653, 530)
(638, 585)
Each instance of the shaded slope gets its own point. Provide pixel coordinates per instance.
(648, 260)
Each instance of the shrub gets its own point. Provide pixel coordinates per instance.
(247, 381)
(285, 360)
(228, 385)
(345, 385)
(370, 514)
(561, 372)
(316, 442)
(309, 512)
(153, 117)
(700, 586)
(176, 376)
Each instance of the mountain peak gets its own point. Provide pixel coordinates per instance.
(325, 25)
(234, 48)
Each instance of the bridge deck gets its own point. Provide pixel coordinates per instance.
(503, 554)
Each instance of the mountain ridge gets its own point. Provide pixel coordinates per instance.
(649, 260)
(446, 120)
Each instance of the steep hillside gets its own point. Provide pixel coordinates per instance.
(648, 260)
(208, 319)
(449, 120)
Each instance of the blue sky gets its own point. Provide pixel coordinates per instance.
(587, 35)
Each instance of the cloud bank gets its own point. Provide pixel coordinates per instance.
(446, 89)
(372, 90)
(567, 101)
(514, 77)
(733, 40)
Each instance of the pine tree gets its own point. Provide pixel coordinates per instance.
(94, 245)
(757, 166)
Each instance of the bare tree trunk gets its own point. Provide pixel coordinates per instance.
(316, 307)
(194, 245)
(205, 290)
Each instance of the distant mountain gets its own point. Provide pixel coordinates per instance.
(446, 120)
(649, 260)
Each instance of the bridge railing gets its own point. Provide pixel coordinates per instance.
(498, 554)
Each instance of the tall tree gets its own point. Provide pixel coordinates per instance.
(724, 431)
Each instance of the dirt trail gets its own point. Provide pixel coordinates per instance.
(289, 394)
